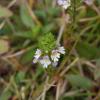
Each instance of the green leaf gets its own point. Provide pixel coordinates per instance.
(48, 28)
(79, 81)
(98, 2)
(20, 76)
(5, 95)
(87, 51)
(31, 34)
(25, 16)
(4, 12)
(41, 14)
(25, 34)
(28, 56)
(54, 11)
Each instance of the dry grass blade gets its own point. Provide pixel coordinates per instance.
(69, 66)
(4, 12)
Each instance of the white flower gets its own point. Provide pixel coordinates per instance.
(37, 55)
(64, 3)
(45, 61)
(89, 2)
(61, 50)
(55, 55)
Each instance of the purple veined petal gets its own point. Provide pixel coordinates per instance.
(45, 61)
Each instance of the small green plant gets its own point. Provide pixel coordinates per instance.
(47, 42)
(48, 53)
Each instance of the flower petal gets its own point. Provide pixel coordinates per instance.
(55, 55)
(45, 61)
(61, 50)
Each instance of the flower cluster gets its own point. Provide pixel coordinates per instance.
(48, 59)
(64, 3)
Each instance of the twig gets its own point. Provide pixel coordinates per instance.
(61, 29)
(2, 24)
(89, 19)
(79, 63)
(49, 86)
(72, 93)
(33, 15)
(9, 5)
(58, 90)
(96, 9)
(60, 33)
(17, 53)
(45, 86)
(69, 66)
(30, 95)
(88, 63)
